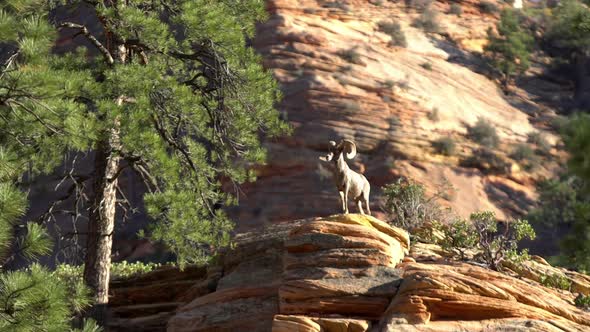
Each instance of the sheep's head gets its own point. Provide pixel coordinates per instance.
(345, 146)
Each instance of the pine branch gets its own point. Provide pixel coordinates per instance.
(36, 116)
(84, 30)
(140, 167)
(8, 63)
(183, 151)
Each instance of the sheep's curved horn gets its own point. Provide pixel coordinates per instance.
(332, 143)
(349, 148)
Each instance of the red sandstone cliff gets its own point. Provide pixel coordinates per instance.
(382, 100)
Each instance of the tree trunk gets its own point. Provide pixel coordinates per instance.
(101, 224)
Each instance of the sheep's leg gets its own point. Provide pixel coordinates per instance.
(359, 203)
(342, 201)
(346, 201)
(367, 204)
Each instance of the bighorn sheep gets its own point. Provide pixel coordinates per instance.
(348, 182)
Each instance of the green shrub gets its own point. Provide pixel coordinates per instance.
(434, 115)
(456, 9)
(426, 65)
(499, 246)
(488, 7)
(459, 237)
(118, 270)
(481, 234)
(526, 156)
(393, 121)
(543, 146)
(522, 152)
(404, 84)
(484, 133)
(408, 206)
(582, 301)
(445, 146)
(126, 270)
(559, 123)
(556, 281)
(428, 21)
(559, 199)
(419, 4)
(350, 55)
(394, 30)
(350, 106)
(338, 5)
(487, 161)
(389, 84)
(564, 207)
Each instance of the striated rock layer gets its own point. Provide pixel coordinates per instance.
(342, 273)
(341, 78)
(340, 265)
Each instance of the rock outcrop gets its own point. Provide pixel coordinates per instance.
(343, 265)
(342, 273)
(145, 303)
(457, 291)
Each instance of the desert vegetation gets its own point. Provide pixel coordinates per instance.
(488, 7)
(510, 47)
(484, 133)
(410, 208)
(456, 9)
(394, 30)
(428, 20)
(526, 156)
(445, 146)
(481, 239)
(350, 55)
(556, 281)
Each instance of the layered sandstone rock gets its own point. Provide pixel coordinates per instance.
(145, 303)
(463, 292)
(343, 265)
(283, 323)
(538, 267)
(344, 273)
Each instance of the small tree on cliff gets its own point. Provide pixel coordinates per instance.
(167, 90)
(510, 47)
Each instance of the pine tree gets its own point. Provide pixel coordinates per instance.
(31, 299)
(167, 90)
(510, 47)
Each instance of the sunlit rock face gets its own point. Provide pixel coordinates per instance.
(338, 265)
(344, 273)
(341, 77)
